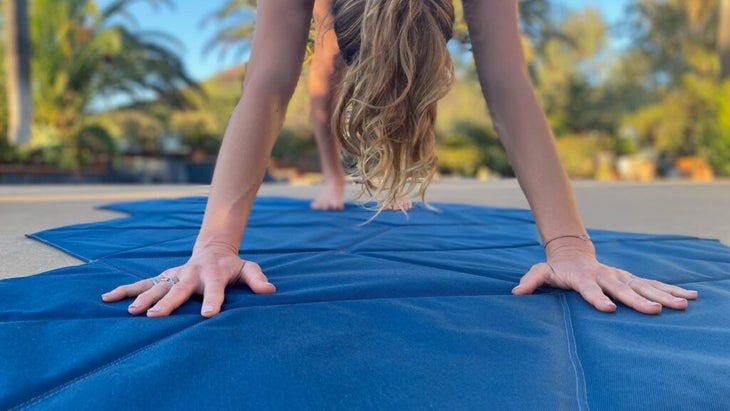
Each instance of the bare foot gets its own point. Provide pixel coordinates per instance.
(331, 198)
(401, 204)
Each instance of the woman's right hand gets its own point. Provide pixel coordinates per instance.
(208, 272)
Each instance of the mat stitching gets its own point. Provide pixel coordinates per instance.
(111, 255)
(581, 390)
(103, 256)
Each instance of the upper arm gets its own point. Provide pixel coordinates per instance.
(282, 30)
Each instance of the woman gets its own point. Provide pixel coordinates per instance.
(398, 67)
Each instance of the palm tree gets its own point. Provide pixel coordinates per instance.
(237, 22)
(83, 53)
(17, 66)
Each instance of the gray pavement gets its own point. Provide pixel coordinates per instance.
(673, 207)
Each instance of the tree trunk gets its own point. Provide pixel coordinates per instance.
(723, 39)
(17, 66)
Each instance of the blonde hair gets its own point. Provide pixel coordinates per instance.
(398, 69)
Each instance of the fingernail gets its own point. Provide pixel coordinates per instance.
(133, 307)
(680, 300)
(652, 303)
(207, 308)
(516, 288)
(105, 294)
(609, 303)
(153, 310)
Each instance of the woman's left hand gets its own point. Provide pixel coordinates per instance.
(579, 270)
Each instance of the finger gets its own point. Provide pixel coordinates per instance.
(674, 290)
(649, 290)
(126, 291)
(623, 292)
(148, 298)
(537, 276)
(173, 298)
(213, 295)
(594, 295)
(254, 278)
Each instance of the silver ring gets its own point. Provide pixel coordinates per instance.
(168, 280)
(156, 280)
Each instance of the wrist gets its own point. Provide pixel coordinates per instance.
(217, 245)
(580, 243)
(222, 235)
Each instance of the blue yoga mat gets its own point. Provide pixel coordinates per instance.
(409, 311)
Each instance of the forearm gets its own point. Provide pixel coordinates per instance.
(240, 168)
(517, 116)
(271, 77)
(525, 133)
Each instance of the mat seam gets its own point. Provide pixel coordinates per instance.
(581, 389)
(452, 270)
(111, 256)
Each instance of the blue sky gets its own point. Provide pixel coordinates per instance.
(183, 21)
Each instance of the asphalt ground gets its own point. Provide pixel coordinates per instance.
(667, 207)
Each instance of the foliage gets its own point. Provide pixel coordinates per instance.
(236, 22)
(675, 36)
(716, 142)
(136, 130)
(296, 148)
(201, 127)
(675, 45)
(564, 72)
(580, 153)
(3, 103)
(468, 148)
(83, 53)
(94, 145)
(8, 152)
